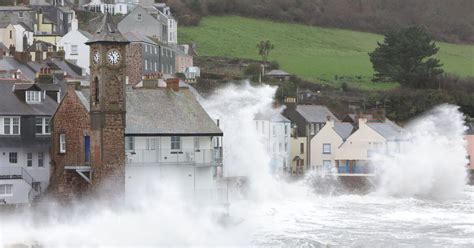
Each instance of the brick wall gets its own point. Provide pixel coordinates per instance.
(71, 119)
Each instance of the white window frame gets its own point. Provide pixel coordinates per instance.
(13, 121)
(62, 143)
(150, 144)
(74, 50)
(129, 143)
(29, 159)
(10, 157)
(6, 190)
(41, 159)
(45, 129)
(175, 143)
(326, 148)
(33, 96)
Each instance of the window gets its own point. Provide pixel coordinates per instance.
(62, 143)
(20, 14)
(40, 159)
(263, 127)
(11, 126)
(286, 129)
(326, 148)
(96, 87)
(327, 164)
(146, 48)
(11, 34)
(42, 125)
(286, 147)
(301, 148)
(74, 50)
(129, 143)
(29, 159)
(33, 96)
(13, 157)
(274, 131)
(146, 64)
(175, 143)
(139, 17)
(279, 147)
(6, 189)
(196, 144)
(150, 144)
(156, 67)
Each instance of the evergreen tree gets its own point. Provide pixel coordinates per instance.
(405, 56)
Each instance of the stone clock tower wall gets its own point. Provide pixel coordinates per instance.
(108, 110)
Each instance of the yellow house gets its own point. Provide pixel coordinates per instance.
(298, 155)
(325, 144)
(45, 29)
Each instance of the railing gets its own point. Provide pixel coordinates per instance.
(12, 172)
(356, 169)
(198, 157)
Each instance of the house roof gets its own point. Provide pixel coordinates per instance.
(387, 129)
(137, 37)
(164, 112)
(279, 73)
(470, 128)
(10, 64)
(85, 33)
(271, 116)
(315, 113)
(343, 129)
(2, 46)
(107, 32)
(13, 104)
(26, 27)
(83, 99)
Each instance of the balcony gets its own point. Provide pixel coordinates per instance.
(195, 157)
(18, 173)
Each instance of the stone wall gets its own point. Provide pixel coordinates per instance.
(134, 60)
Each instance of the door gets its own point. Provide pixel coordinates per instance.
(87, 149)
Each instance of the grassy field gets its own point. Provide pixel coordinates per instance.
(313, 53)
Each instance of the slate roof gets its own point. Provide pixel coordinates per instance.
(315, 113)
(164, 112)
(136, 37)
(2, 46)
(10, 64)
(107, 32)
(13, 104)
(343, 129)
(85, 33)
(387, 129)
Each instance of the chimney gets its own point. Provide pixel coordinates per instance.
(74, 25)
(22, 57)
(72, 86)
(362, 121)
(150, 81)
(329, 121)
(173, 84)
(45, 76)
(60, 54)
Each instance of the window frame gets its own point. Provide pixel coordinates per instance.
(29, 159)
(62, 143)
(33, 96)
(6, 189)
(10, 125)
(13, 157)
(74, 49)
(175, 142)
(129, 143)
(41, 159)
(326, 145)
(44, 125)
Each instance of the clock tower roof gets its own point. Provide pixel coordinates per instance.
(107, 32)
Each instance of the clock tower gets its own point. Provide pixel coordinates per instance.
(107, 107)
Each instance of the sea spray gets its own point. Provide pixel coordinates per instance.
(431, 159)
(244, 155)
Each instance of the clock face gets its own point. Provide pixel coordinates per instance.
(113, 56)
(96, 58)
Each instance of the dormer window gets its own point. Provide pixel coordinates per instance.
(33, 96)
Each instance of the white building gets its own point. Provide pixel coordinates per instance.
(25, 139)
(274, 131)
(74, 46)
(18, 35)
(169, 136)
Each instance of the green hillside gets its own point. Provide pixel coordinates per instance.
(312, 53)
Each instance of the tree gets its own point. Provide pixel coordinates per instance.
(405, 56)
(264, 48)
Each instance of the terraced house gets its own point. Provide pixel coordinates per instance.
(25, 111)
